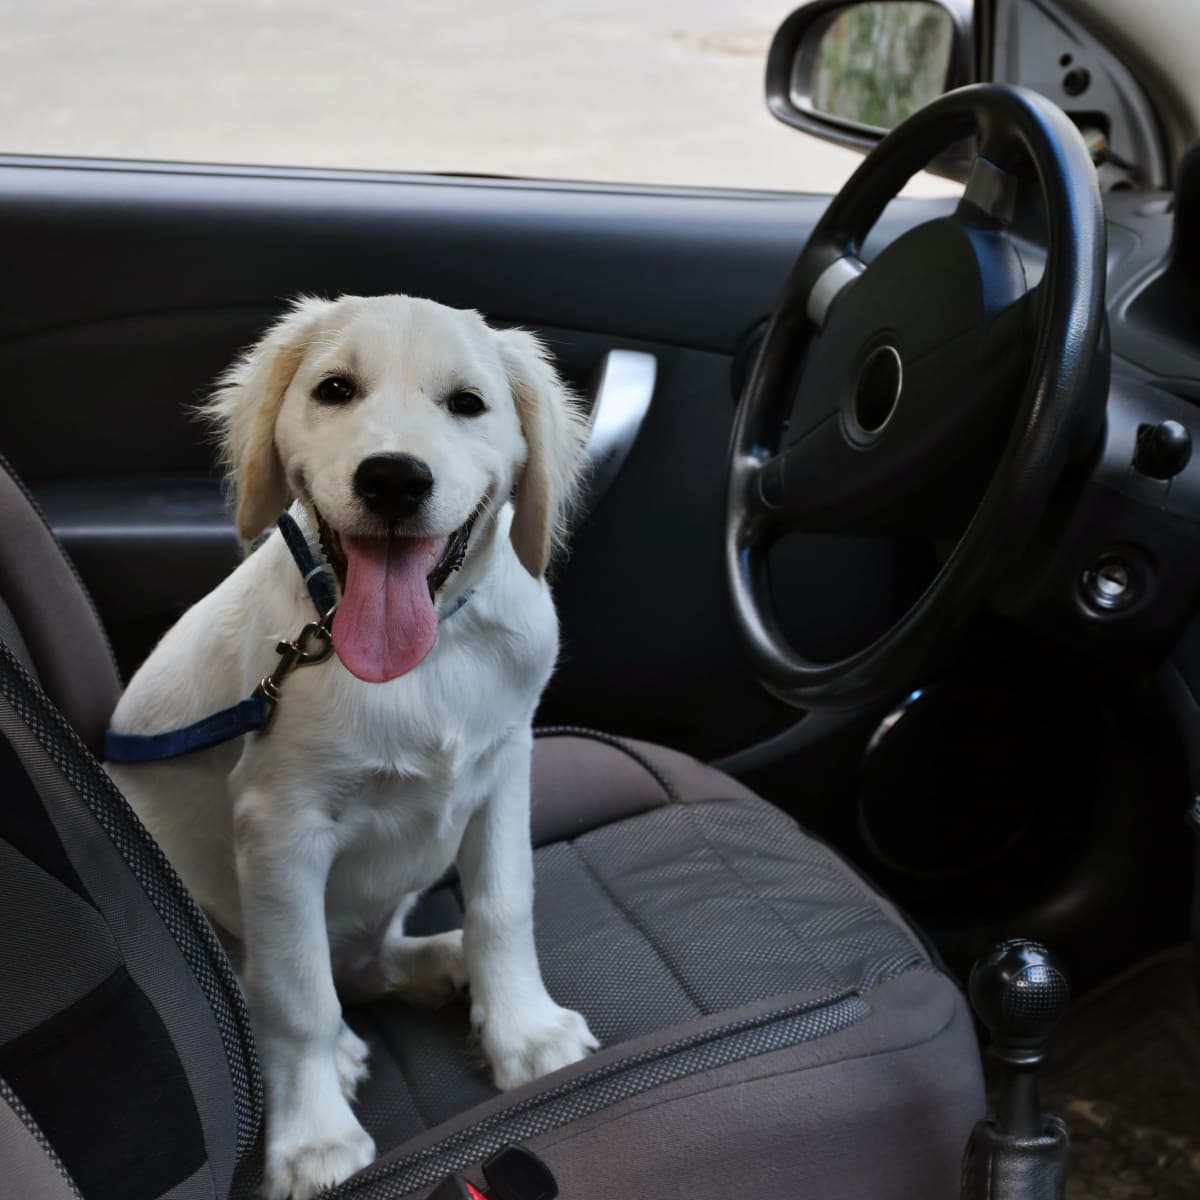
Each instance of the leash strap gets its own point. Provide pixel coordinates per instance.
(223, 726)
(254, 713)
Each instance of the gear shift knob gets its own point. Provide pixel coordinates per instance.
(1019, 990)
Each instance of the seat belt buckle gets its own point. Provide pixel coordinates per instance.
(512, 1173)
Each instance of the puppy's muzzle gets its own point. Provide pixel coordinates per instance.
(393, 485)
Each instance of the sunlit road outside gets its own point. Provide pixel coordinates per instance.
(662, 91)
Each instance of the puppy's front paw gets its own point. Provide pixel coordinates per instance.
(529, 1044)
(304, 1160)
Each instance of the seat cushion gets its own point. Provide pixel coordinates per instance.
(766, 1017)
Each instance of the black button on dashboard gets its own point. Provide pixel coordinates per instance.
(1163, 450)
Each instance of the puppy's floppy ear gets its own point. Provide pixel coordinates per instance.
(244, 407)
(555, 429)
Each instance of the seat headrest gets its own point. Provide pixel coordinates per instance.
(54, 615)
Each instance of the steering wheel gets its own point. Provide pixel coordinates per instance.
(931, 390)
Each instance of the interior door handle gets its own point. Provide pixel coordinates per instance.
(621, 390)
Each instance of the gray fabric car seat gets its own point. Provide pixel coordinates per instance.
(770, 1024)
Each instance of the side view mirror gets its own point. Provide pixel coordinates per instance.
(850, 70)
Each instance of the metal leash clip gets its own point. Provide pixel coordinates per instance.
(313, 644)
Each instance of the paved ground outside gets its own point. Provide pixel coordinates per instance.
(657, 91)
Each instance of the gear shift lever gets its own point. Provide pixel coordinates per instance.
(1019, 991)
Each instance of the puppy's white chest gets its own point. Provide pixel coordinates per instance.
(397, 836)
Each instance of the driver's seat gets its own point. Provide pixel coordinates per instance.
(770, 1024)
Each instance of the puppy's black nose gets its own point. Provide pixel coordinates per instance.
(393, 485)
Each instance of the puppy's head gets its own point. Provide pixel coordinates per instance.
(400, 423)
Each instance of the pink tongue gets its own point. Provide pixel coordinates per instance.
(385, 624)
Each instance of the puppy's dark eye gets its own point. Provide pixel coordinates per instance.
(337, 389)
(465, 404)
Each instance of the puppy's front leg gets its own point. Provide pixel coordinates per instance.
(523, 1032)
(313, 1140)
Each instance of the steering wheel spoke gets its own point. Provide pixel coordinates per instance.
(830, 284)
(990, 195)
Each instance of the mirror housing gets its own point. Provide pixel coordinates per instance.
(808, 88)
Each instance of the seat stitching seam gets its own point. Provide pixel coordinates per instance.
(609, 739)
(637, 925)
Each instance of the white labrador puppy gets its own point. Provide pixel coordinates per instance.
(398, 425)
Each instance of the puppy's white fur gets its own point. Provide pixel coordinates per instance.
(309, 844)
